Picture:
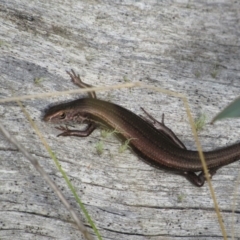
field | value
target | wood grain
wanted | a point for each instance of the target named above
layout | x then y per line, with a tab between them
190	47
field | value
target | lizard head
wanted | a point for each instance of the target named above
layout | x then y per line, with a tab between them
64	113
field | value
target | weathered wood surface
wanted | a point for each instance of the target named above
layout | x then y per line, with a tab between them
190	47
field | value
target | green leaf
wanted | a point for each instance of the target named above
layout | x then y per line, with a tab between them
231	111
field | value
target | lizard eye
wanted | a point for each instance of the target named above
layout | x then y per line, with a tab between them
62	115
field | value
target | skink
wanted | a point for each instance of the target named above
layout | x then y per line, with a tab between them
158	147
